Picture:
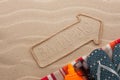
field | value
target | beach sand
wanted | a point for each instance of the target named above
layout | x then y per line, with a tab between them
24	23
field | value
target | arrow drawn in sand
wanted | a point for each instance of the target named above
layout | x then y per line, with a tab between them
68	40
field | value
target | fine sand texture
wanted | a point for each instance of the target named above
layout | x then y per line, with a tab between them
23	23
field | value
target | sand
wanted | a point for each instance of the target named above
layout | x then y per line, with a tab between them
24	23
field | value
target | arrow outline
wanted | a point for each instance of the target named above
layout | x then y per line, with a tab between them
78	21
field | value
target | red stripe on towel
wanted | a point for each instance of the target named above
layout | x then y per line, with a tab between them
62	73
53	76
45	78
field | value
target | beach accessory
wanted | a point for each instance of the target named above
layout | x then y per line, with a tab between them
67	40
101	67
